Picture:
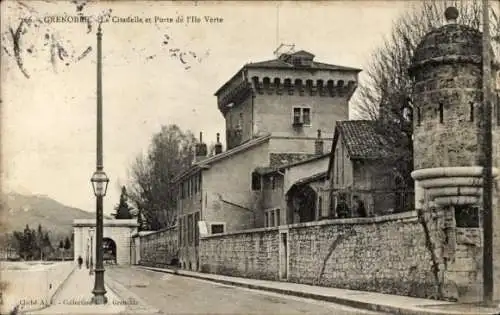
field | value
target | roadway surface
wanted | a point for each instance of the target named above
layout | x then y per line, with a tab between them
173	294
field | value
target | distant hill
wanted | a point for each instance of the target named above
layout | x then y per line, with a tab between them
19	210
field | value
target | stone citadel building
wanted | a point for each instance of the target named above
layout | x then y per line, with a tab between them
447	130
431	251
273	111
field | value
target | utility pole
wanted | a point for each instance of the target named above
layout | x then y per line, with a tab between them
487	163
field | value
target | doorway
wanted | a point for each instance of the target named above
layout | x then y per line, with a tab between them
109	250
283	251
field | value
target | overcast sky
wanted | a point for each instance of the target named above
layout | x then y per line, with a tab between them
48	120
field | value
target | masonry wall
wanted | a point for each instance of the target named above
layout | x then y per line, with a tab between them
400	254
252	254
282	143
239	116
159	249
227	187
496	201
387	254
341	174
122	237
273	109
119	231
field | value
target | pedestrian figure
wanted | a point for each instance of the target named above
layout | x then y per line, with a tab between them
80	262
359	207
342	208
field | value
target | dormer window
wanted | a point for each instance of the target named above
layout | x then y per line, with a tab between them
301	61
297	61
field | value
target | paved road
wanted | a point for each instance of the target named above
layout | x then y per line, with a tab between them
174	294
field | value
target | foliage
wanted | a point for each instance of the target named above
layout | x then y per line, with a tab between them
386	94
152	188
67	243
31	244
123	210
388	87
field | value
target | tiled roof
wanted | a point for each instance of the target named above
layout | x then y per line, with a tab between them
363	141
312	178
214	159
285	159
280	64
305	158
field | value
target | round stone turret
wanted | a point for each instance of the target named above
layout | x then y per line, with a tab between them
446	69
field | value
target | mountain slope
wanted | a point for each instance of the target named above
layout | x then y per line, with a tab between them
19	210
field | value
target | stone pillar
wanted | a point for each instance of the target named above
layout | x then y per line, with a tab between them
77	243
419	196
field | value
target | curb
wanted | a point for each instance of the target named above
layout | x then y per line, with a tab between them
59	288
328	298
57	291
118	289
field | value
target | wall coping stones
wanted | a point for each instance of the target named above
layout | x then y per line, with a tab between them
412	215
408	215
249	231
115	222
145	233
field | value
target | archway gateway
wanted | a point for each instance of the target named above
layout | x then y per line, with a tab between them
109	250
117	236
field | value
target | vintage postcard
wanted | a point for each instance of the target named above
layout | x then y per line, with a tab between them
250	157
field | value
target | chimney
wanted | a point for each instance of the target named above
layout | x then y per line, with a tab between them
218	145
318	144
201	150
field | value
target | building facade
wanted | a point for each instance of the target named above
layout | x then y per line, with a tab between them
448	157
273	111
365	165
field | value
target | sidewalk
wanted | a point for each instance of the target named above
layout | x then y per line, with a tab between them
393	304
75	294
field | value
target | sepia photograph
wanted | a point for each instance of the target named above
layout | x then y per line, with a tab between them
250	157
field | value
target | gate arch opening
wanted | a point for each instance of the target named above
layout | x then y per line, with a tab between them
109	250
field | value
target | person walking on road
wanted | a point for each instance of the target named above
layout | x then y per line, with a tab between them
80	262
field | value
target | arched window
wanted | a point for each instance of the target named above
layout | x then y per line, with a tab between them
277	83
288	83
471	105
266	82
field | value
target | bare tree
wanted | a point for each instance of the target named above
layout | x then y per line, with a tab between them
387	89
388	85
152	187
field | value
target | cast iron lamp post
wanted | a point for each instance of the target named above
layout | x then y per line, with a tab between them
100	185
91	253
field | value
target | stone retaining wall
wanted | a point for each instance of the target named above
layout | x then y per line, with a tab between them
159	248
388	256
401	254
32	286
251	254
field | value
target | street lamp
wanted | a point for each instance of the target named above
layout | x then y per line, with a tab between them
99	182
87	257
91	235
